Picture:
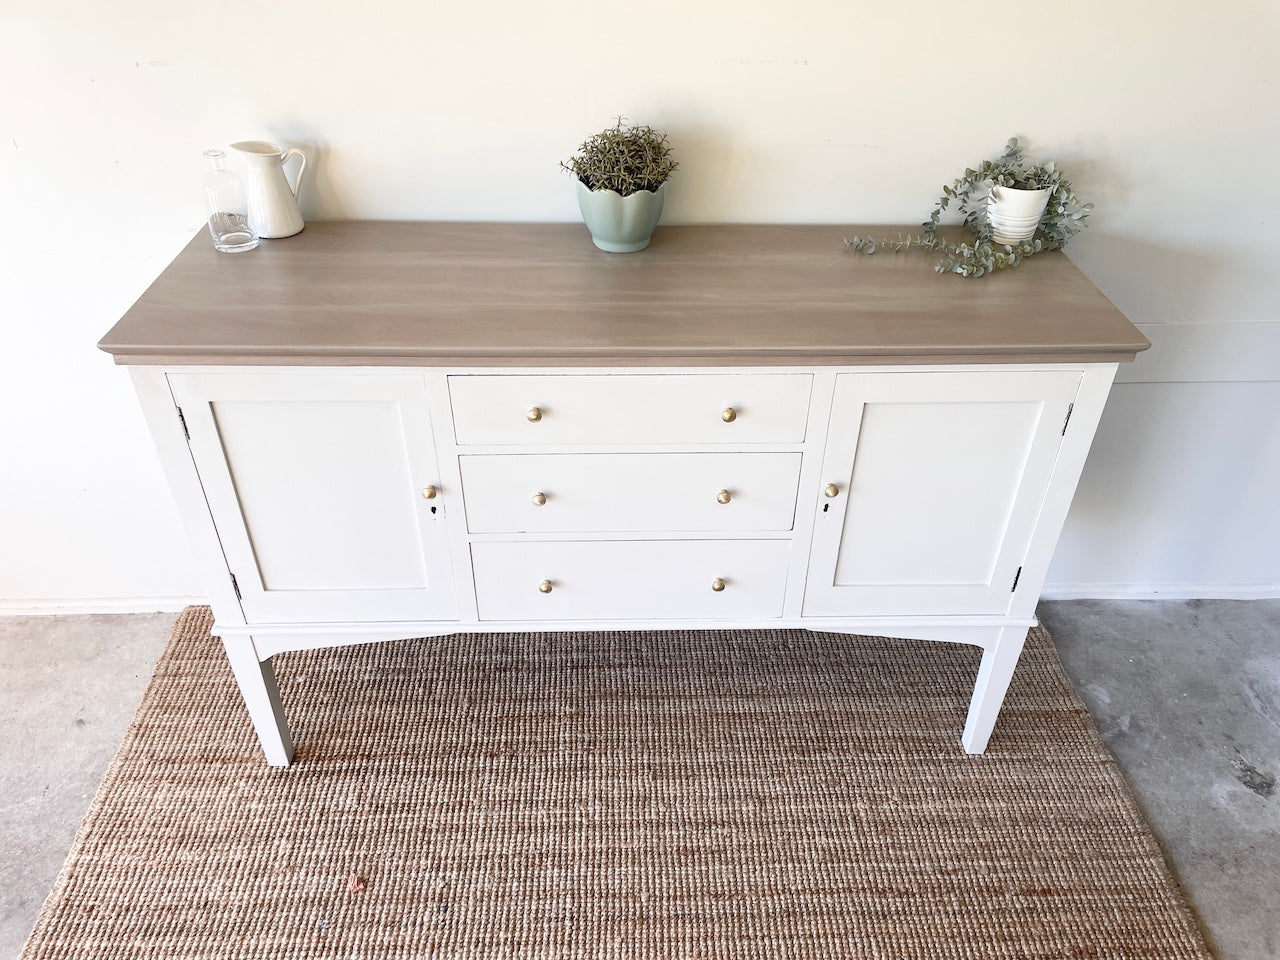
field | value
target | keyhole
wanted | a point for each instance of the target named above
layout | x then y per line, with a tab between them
825	508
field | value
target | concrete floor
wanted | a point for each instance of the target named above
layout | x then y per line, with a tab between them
68	688
1187	694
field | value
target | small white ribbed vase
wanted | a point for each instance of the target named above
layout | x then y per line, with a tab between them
1015	213
621	224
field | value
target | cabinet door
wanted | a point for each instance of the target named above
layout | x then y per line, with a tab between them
315	485
939	481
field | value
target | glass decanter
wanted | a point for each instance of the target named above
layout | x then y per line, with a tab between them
227	206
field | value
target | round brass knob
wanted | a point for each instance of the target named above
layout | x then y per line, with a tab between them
717	584
728	414
429	492
544	586
830	490
534	414
539	499
724	496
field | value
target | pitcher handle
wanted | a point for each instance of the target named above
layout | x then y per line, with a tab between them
297	184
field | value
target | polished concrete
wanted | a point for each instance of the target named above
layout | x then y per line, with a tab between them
1187	693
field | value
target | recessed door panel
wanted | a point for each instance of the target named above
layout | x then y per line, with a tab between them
924	508
312	475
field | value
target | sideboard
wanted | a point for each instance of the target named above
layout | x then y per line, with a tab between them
389	430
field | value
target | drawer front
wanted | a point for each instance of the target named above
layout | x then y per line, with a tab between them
630	580
630	492
601	409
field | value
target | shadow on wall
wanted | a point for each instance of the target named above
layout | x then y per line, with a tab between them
318	199
1152	283
1243	476
711	162
1174	492
1179	487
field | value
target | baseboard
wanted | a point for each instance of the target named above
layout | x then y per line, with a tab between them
79	605
1160	591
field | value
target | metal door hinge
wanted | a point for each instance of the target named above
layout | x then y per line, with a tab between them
1070	407
183	420
236	587
1016	577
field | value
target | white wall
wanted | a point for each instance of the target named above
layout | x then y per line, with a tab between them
807	111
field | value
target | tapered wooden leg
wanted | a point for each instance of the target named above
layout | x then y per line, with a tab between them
257	682
998	662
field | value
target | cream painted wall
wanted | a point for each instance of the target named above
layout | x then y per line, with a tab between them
815	110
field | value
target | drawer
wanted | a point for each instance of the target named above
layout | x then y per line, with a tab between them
629	492
630	580
602	409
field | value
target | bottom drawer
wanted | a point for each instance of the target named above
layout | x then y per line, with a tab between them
630	580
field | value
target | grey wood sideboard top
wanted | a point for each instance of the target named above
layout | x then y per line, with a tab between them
494	294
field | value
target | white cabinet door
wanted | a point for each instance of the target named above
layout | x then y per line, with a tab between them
939	479
315	484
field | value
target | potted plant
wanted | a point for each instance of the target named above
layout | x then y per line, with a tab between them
1014	208
622	175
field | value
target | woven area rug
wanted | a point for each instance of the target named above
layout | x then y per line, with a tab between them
728	796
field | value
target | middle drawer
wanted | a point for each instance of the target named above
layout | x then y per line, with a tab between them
629	492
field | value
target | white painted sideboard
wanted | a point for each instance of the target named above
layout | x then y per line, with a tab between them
676	439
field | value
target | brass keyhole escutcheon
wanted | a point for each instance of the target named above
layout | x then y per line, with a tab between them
717	584
544	586
724	496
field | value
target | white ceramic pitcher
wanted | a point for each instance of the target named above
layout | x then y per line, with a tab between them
273	204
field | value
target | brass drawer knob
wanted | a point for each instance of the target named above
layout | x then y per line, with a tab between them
534	414
728	414
429	492
717	584
539	499
724	496
544	586
830	490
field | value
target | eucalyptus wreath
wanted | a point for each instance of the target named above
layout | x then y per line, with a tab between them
624	158
1064	217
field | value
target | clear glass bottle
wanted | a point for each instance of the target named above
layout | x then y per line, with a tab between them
227	205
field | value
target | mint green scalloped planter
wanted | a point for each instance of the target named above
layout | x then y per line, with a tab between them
621	224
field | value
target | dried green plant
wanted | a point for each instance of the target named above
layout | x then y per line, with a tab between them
1063	218
624	158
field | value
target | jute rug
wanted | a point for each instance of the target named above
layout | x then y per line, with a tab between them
727	796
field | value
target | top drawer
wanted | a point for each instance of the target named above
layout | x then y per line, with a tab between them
603	409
